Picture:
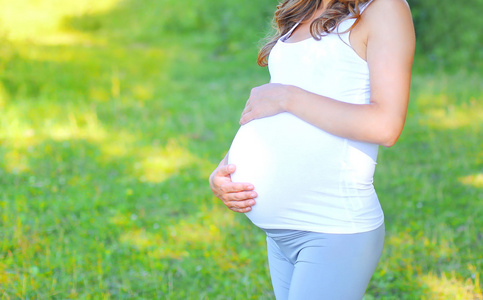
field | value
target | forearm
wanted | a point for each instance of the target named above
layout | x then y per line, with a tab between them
374	123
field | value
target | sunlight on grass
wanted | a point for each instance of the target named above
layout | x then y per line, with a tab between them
159	163
16	162
449	102
19	132
16	126
475	180
84	126
142	92
6	277
116	145
439	247
181	238
140	239
3	94
454	117
41	21
443	287
405	249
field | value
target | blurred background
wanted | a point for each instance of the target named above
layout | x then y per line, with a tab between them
113	113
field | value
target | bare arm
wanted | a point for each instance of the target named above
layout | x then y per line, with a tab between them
390	52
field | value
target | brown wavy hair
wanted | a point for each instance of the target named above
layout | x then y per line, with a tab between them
290	12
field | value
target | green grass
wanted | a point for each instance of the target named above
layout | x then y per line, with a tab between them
111	122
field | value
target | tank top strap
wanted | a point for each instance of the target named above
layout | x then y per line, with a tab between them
286	35
345	37
344	26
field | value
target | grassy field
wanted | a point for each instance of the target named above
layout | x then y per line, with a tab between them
112	116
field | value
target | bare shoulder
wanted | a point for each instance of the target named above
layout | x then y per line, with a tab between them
383	13
389	23
388	5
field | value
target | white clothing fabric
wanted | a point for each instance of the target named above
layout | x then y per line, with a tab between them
308	179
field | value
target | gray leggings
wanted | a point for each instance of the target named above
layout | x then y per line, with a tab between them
310	265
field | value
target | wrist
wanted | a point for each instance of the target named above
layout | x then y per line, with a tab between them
290	91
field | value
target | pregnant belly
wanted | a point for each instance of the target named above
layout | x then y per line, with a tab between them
290	162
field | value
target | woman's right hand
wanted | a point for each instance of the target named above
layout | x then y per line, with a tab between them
238	197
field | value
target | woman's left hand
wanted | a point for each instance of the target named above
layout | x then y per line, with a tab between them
266	100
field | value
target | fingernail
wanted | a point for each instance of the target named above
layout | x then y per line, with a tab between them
249	187
251	203
253	195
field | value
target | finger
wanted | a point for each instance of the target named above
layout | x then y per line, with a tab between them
246	110
241	210
240	204
226	170
233	190
246	117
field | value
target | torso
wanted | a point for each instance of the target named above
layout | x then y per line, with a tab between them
306	178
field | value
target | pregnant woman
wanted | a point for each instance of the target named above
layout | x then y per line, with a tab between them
301	165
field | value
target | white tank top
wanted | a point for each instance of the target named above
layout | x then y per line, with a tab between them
308	179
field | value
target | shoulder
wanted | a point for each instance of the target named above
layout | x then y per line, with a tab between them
387	11
389	18
388	5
